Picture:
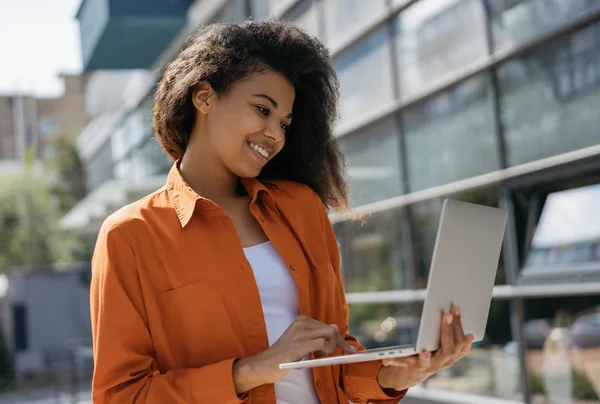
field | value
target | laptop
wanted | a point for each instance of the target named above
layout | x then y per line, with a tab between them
463	270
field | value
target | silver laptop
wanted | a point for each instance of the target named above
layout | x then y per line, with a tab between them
463	269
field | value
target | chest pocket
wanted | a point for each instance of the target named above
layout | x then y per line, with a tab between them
195	321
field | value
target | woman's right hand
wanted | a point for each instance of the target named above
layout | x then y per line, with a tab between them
303	337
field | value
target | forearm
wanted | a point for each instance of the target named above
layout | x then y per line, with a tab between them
247	375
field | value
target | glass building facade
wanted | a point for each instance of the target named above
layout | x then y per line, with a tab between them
487	101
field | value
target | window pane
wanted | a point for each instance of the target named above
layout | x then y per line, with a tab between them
492	369
100	167
549	99
425	217
562	337
565	238
365	76
373	253
259	9
304	15
234	11
445	132
373	163
517	21
344	18
385	324
436	39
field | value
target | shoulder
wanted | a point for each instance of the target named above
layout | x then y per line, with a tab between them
135	216
293	191
293	196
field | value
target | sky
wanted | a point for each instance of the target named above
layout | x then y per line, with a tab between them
39	39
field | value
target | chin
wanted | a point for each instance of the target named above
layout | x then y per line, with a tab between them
247	172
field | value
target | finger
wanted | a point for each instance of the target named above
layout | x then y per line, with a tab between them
331	334
459	333
409	362
321	346
447	337
341	341
468	346
446	351
424	361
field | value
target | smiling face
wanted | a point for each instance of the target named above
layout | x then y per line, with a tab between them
243	129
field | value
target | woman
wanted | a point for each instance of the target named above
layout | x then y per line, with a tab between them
203	288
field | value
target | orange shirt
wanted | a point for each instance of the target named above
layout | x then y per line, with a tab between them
174	301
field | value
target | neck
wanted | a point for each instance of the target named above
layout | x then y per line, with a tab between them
207	178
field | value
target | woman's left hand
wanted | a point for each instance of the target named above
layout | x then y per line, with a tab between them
403	373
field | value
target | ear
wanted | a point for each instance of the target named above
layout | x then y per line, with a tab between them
202	97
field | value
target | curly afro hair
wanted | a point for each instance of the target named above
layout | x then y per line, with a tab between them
225	53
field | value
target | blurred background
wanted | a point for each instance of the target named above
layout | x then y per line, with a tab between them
490	101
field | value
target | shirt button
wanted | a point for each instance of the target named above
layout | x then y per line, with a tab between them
293	268
241	267
319	385
256	325
261	218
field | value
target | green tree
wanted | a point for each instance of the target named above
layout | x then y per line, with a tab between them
30	235
70	185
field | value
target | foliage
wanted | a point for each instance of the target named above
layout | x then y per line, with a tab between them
70	186
30	235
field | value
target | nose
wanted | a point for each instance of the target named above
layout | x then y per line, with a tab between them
274	132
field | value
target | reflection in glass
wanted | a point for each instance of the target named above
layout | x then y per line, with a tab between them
344	18
562	337
387	324
373	163
450	136
435	39
566	238
492	369
373	254
549	98
517	21
365	76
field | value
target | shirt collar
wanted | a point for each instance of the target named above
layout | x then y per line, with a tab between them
185	199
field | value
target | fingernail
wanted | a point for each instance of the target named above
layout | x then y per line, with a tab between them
456	310
353	348
426	355
449	318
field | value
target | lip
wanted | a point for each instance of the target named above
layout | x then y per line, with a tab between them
268	148
259	156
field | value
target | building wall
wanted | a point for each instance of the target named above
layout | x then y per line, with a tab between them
27	124
56	316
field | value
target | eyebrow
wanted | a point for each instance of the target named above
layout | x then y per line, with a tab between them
272	101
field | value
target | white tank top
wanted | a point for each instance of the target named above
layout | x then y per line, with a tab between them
279	300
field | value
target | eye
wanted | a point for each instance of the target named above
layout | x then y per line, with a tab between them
263	110
286	128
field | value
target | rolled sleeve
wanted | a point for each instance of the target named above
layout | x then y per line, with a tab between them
360	383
